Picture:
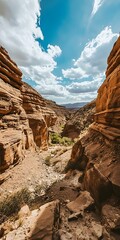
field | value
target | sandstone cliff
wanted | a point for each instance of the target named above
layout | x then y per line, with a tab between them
107	117
98	153
79	121
24	114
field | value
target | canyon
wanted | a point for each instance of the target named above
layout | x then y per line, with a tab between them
81	198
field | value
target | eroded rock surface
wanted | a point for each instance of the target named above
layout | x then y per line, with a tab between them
101	145
107	117
24	115
40	117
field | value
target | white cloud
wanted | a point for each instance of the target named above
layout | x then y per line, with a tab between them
18	28
96	5
85	86
54	51
72	98
49	90
93	58
74	73
18	33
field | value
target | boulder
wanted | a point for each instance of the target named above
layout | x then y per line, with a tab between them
111	217
81	203
46	224
24	212
78	159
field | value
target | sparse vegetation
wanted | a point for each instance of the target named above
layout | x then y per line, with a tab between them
13	203
54	152
47	160
57	139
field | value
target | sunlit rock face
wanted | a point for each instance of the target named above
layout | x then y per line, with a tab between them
40	117
9	72
101	145
107	117
24	115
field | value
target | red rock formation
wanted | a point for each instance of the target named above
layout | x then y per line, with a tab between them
107	117
9	72
40	117
24	117
107	121
101	145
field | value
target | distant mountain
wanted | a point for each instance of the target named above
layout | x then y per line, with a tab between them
76	105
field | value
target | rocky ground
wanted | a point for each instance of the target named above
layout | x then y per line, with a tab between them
52	202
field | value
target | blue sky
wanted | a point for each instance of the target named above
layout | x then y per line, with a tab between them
64	55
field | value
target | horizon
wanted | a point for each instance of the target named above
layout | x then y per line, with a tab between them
61	46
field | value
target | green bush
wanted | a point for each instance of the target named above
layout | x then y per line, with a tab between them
57	139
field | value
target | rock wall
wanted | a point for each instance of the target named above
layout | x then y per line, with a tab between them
107	117
9	72
40	117
97	154
24	116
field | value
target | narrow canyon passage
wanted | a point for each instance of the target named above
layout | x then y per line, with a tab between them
60	168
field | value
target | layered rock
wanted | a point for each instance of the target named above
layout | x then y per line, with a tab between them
97	154
102	178
24	116
107	117
16	134
9	72
79	121
40	117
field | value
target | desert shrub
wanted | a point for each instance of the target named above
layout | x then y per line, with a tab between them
67	141
54	152
47	160
13	203
57	139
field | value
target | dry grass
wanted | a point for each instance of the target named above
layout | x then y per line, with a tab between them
13	203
